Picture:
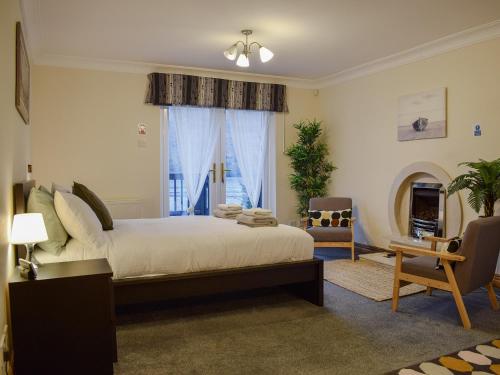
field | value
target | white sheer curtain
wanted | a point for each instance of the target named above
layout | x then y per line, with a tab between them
249	131
197	131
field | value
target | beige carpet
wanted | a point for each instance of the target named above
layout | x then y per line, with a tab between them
370	279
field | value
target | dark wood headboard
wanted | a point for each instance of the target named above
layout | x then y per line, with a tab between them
21	193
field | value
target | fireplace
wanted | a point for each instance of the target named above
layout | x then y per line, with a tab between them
427	204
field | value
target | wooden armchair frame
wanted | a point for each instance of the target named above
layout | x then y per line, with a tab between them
341	244
450	286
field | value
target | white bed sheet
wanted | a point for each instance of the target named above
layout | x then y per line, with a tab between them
144	247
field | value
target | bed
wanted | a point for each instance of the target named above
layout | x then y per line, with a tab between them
171	258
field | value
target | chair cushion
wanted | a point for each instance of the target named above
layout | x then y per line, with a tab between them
330	234
425	267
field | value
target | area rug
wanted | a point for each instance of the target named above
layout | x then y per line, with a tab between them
380	257
369	279
478	360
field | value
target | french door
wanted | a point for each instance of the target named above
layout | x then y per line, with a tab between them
224	181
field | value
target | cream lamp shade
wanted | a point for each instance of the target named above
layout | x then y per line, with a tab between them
28	229
243	61
231	52
265	54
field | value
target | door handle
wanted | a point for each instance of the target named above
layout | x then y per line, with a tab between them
214	172
223	172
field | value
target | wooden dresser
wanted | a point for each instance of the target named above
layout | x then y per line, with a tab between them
63	322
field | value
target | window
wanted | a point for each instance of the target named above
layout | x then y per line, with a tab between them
232	166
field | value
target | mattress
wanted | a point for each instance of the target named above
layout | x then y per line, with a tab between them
145	247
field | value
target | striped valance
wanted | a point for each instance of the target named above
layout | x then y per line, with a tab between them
180	89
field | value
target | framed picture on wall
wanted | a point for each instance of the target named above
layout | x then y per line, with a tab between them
422	116
22	76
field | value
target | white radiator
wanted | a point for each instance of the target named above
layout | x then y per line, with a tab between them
125	208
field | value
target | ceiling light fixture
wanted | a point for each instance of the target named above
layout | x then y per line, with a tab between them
232	52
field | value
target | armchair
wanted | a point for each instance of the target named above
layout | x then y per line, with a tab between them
332	236
472	267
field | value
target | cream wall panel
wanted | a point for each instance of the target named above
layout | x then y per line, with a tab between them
85	129
361	116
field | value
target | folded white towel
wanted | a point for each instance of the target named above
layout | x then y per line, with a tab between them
226	214
229	207
253	221
258	212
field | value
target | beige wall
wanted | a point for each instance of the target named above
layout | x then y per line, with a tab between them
84	129
361	116
14	139
85	125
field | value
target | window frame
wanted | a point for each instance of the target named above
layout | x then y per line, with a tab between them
268	181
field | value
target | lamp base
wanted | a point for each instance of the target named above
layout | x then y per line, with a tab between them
27	273
30	257
28	270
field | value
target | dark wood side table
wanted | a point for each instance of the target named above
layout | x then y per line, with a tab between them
64	321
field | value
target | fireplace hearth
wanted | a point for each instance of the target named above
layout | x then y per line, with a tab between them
427	209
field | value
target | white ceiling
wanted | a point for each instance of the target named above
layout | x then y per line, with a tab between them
310	38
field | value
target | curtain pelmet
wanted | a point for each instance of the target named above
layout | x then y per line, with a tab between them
185	90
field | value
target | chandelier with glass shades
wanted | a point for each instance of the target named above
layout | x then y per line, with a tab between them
232	52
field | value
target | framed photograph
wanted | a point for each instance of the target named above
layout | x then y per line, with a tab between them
22	76
422	116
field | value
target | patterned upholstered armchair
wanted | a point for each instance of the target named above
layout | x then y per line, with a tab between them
332	236
471	267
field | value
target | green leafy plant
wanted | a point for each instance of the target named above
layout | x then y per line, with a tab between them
483	181
311	168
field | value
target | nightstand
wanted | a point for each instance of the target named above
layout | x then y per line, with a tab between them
64	322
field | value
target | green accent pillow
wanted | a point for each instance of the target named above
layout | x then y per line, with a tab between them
89	197
42	202
44	189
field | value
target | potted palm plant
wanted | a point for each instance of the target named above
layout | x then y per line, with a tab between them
311	167
483	183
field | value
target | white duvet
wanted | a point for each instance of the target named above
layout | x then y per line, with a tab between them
143	247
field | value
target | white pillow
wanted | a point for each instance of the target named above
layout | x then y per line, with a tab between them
78	219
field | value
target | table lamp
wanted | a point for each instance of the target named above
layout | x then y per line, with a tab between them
28	230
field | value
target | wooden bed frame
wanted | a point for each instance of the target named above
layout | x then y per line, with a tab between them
303	278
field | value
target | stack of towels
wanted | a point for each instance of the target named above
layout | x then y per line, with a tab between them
257	217
227	211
